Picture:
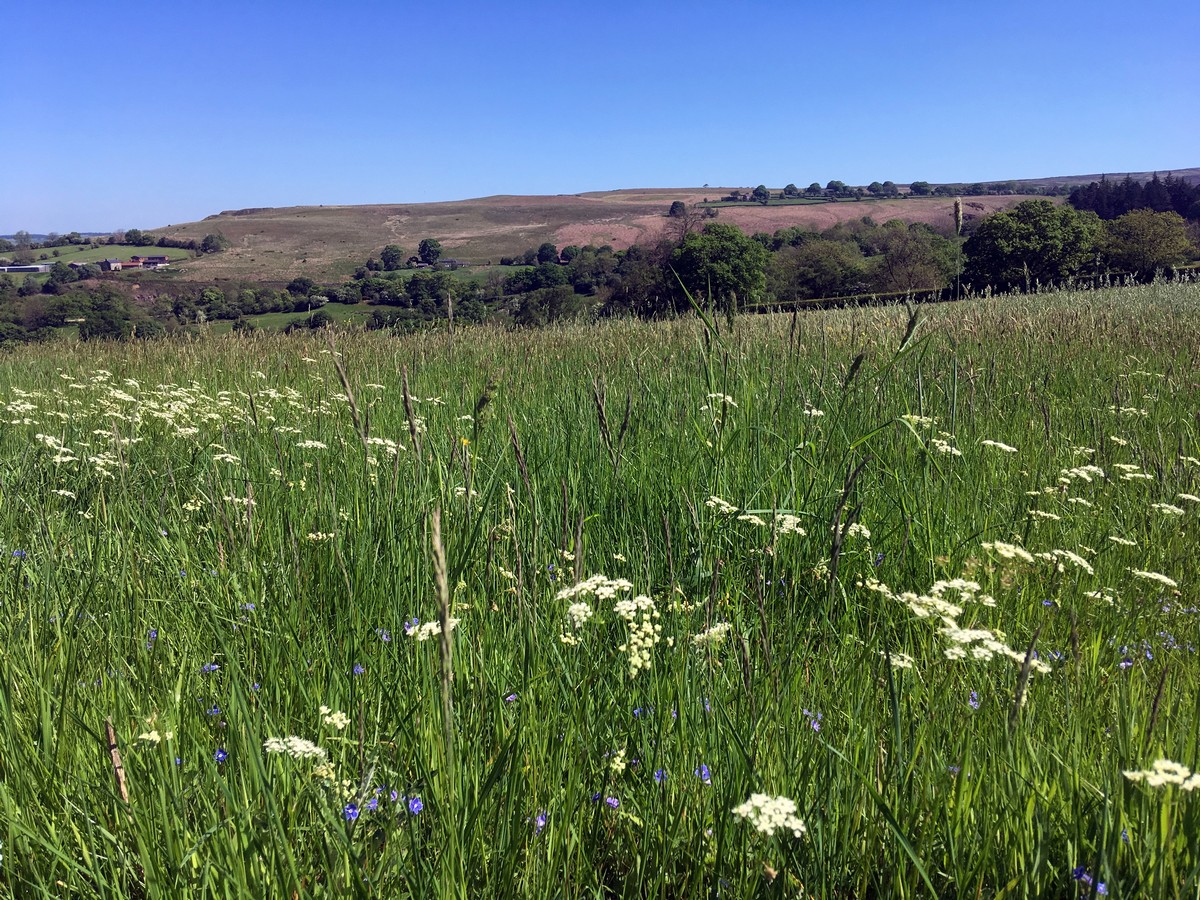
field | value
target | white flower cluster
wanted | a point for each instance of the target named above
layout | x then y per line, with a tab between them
1058	557
295	747
1009	551
1080	473
312	445
599	586
335	718
427	630
999	446
977	643
617	762
770	814
644	631
752	519
1156	576
788	524
1167	509
945	447
153	737
1165	772
711	637
716	503
578	614
923	421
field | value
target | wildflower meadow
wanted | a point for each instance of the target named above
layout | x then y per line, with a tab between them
858	603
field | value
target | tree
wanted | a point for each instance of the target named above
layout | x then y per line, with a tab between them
874	187
921	188
721	263
1034	242
816	268
1143	241
678	208
836	187
915	258
760	194
791	191
301	286
814	190
429	250
547	253
392	258
213	243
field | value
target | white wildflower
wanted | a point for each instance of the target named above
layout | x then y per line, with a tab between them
578	614
1155	576
334	718
770	814
713	636
296	747
999	446
1167	509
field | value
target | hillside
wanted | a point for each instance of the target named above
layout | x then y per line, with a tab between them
329	242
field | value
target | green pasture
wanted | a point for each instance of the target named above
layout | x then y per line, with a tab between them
845	604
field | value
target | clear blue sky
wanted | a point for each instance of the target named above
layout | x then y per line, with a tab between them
126	114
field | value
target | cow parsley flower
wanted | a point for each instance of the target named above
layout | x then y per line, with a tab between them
295	747
1155	576
771	814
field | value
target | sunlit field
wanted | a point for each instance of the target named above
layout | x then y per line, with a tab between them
851	604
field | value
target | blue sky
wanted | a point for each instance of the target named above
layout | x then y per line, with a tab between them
124	114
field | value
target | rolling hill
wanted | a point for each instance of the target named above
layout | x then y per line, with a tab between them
327	243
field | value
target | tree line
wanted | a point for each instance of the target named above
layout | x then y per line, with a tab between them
1035	245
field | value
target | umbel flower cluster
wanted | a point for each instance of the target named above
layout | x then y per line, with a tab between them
644	631
295	747
1164	772
770	814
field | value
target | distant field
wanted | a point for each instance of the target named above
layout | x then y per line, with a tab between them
774	201
328	242
83	253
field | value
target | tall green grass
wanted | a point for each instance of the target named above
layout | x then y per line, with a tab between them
209	543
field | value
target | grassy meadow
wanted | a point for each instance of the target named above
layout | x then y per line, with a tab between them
565	613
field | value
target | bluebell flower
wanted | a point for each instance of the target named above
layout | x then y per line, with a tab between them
415	805
539	823
220	756
373	804
384	635
973	701
879	557
358	669
703	774
215	711
613	802
256	686
660	775
209	667
1126	663
350	812
19	554
249	607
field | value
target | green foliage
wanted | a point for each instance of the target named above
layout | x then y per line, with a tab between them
1034	243
678	208
547	253
920	188
760	194
816	268
392	257
720	264
429	250
301	286
1144	241
213	243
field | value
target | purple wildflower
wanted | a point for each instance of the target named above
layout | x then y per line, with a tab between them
415	805
221	755
703	774
350	812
